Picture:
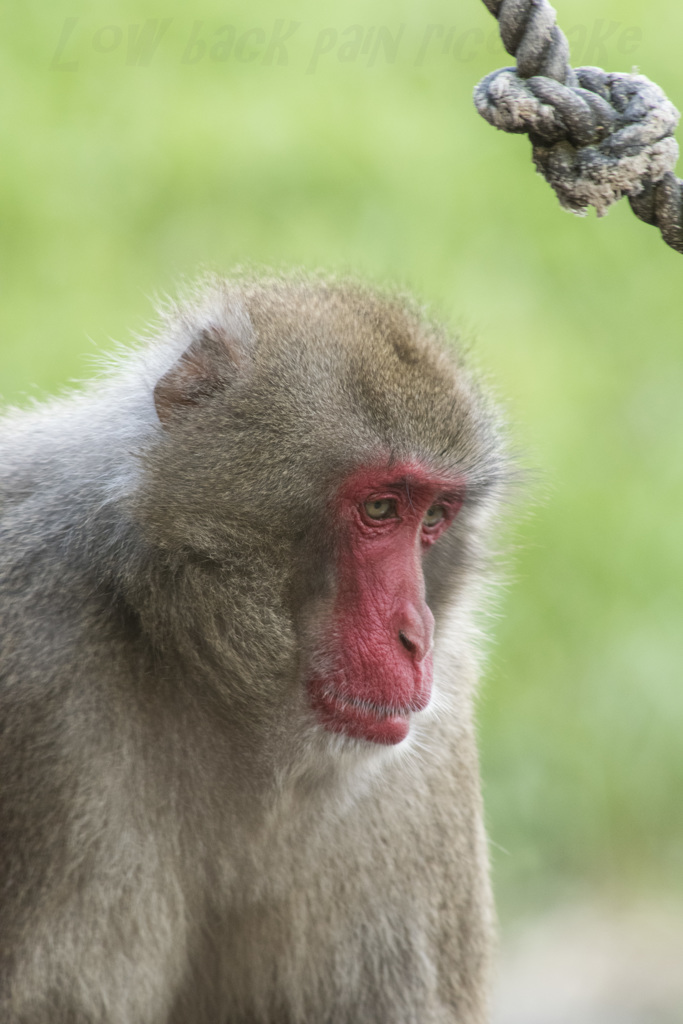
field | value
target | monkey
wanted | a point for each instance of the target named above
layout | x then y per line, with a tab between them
239	581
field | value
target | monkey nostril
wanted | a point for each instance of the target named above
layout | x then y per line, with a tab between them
408	644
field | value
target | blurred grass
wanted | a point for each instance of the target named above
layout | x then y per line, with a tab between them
120	180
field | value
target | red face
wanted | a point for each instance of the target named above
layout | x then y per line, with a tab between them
375	664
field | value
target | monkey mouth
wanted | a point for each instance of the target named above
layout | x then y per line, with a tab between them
362	719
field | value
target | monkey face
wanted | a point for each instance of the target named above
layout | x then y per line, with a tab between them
373	667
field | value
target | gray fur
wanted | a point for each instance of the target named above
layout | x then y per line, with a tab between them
180	842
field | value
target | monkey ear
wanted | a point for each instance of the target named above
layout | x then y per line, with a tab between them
205	367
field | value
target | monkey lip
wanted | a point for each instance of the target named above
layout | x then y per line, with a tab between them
363	719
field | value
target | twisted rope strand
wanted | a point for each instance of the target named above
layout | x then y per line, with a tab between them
595	136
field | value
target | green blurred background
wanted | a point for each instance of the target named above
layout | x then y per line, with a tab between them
139	146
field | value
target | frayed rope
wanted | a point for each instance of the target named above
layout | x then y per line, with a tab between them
596	136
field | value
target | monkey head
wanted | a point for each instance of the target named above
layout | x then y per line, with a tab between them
326	456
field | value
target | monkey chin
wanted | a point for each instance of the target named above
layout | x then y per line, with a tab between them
359	719
387	728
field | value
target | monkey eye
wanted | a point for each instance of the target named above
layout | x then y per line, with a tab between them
380	508
434	516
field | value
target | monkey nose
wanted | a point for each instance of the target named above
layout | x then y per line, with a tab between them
415	630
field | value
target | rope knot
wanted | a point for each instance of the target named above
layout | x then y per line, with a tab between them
595	141
596	136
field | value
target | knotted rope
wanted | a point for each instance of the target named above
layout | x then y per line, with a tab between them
595	136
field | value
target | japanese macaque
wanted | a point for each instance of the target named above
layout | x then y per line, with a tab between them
238	575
